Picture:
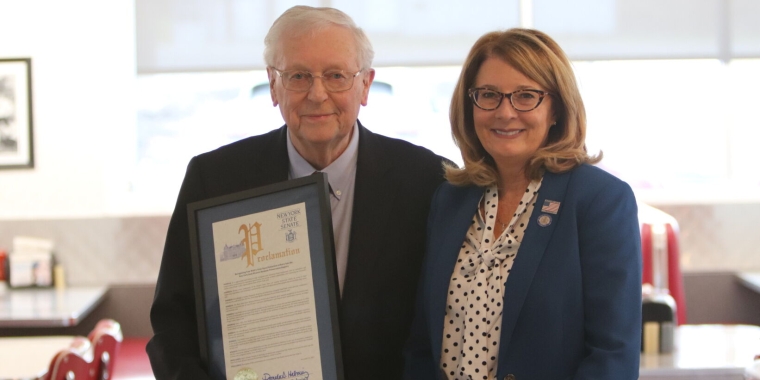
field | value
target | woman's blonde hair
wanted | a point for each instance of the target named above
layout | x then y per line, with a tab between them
537	56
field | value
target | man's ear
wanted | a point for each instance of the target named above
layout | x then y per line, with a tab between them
367	83
272	76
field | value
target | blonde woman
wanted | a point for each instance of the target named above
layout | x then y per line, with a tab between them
533	262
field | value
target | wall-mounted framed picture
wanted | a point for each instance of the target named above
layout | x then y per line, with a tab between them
16	148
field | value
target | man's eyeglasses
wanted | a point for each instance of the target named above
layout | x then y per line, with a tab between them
522	100
301	81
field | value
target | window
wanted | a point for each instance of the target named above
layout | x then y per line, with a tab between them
679	131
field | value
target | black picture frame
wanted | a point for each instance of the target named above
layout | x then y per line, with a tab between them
16	122
313	193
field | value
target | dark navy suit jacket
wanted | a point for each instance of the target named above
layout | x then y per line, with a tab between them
572	301
395	181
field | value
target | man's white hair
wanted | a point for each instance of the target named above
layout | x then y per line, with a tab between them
303	19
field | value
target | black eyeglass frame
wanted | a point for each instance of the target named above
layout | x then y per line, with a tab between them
541	95
312	77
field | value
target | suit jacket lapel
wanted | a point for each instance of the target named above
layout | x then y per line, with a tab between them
529	255
446	244
272	163
373	198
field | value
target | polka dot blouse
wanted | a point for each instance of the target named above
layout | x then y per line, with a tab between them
475	300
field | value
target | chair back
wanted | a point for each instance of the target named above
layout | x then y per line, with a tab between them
106	338
73	363
661	256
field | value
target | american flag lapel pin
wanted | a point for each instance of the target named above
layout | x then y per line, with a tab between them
551	207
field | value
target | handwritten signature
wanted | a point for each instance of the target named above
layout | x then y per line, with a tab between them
290	375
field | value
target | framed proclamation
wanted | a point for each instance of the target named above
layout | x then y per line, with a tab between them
265	283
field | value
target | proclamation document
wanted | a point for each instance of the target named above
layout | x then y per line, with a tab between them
266	296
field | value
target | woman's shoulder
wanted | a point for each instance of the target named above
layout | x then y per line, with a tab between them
452	197
448	190
453	202
588	184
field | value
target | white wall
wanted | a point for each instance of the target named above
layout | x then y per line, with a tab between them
83	73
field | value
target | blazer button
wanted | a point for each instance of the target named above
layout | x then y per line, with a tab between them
510	377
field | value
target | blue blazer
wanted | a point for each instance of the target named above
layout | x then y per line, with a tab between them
572	302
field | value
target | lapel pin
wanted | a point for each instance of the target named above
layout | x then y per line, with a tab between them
550	206
544	220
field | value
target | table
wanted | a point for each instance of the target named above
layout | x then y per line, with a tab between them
715	352
29	357
750	280
48	307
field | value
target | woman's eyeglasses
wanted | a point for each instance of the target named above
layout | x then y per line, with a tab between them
522	100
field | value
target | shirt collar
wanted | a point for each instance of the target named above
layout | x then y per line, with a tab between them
338	172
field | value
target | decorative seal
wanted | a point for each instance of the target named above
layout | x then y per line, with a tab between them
290	236
246	374
544	220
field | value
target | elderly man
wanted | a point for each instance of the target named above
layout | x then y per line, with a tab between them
319	74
